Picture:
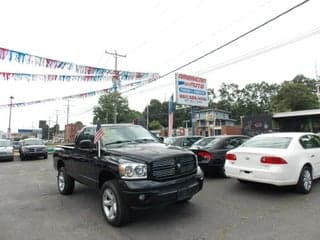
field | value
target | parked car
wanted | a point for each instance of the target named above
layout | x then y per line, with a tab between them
6	150
132	170
182	141
277	158
32	147
211	151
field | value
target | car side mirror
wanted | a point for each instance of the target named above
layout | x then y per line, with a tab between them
86	144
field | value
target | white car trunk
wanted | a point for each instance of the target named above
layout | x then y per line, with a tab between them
251	157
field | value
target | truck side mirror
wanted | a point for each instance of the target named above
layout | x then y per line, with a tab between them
85	144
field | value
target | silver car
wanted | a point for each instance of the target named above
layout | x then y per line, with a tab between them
6	150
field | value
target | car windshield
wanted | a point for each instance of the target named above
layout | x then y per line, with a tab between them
4	143
32	142
203	142
122	134
268	142
213	142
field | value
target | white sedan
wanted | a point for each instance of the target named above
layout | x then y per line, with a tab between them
277	158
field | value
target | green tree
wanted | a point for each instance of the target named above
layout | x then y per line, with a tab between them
155	125
294	96
113	107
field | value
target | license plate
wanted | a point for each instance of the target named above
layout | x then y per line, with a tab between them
184	194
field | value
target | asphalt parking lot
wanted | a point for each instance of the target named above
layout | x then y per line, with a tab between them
31	208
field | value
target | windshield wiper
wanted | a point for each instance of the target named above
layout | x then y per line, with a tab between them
118	142
144	140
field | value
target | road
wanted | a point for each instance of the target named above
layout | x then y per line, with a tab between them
31	208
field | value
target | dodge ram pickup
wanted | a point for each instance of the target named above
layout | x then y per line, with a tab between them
129	167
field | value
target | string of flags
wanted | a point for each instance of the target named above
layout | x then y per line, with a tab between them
25	58
49	77
134	85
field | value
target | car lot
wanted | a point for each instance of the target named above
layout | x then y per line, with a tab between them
32	208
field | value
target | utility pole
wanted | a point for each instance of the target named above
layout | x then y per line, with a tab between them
9	128
115	77
68	107
49	120
148	117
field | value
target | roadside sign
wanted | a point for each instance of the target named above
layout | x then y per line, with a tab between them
191	90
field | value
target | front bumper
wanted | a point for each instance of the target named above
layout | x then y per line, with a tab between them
6	157
148	193
35	154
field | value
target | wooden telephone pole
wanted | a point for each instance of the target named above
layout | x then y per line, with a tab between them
115	77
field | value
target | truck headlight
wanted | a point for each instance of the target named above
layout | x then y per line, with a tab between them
132	170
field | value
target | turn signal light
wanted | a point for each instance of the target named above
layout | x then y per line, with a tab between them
272	160
205	155
231	157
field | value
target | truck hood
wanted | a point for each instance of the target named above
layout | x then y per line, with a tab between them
148	151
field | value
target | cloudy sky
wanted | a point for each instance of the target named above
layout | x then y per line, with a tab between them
157	36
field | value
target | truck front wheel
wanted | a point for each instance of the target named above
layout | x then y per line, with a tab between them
113	207
65	182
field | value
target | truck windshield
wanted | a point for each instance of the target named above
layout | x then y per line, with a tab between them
122	134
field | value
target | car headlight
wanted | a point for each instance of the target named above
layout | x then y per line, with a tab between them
132	170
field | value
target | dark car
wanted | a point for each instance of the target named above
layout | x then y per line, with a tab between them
211	156
33	147
182	141
129	167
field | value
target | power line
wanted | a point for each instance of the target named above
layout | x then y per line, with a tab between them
235	39
260	51
249	55
222	29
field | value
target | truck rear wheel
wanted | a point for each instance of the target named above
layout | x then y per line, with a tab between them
113	207
65	182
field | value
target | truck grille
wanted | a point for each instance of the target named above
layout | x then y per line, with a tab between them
170	168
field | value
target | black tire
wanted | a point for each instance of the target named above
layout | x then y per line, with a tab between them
65	182
45	156
304	184
22	157
117	214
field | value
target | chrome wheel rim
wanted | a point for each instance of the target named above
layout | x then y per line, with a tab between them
109	204
61	182
307	180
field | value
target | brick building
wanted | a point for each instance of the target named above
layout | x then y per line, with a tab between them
71	130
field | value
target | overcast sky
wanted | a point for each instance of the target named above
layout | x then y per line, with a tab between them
157	36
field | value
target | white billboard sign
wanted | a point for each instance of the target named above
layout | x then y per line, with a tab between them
191	90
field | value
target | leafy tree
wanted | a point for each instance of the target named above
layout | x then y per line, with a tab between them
113	106
294	96
155	125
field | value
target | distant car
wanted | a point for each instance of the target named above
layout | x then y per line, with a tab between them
6	150
16	144
33	147
182	141
277	158
211	151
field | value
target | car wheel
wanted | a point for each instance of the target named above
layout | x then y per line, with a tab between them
65	182
113	207
304	184
45	156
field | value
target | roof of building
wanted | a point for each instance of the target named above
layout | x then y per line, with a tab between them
297	113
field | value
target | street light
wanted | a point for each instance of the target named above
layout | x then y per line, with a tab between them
9	128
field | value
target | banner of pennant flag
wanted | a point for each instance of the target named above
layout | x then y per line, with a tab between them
134	85
25	58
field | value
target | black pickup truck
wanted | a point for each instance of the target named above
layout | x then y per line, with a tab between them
130	168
